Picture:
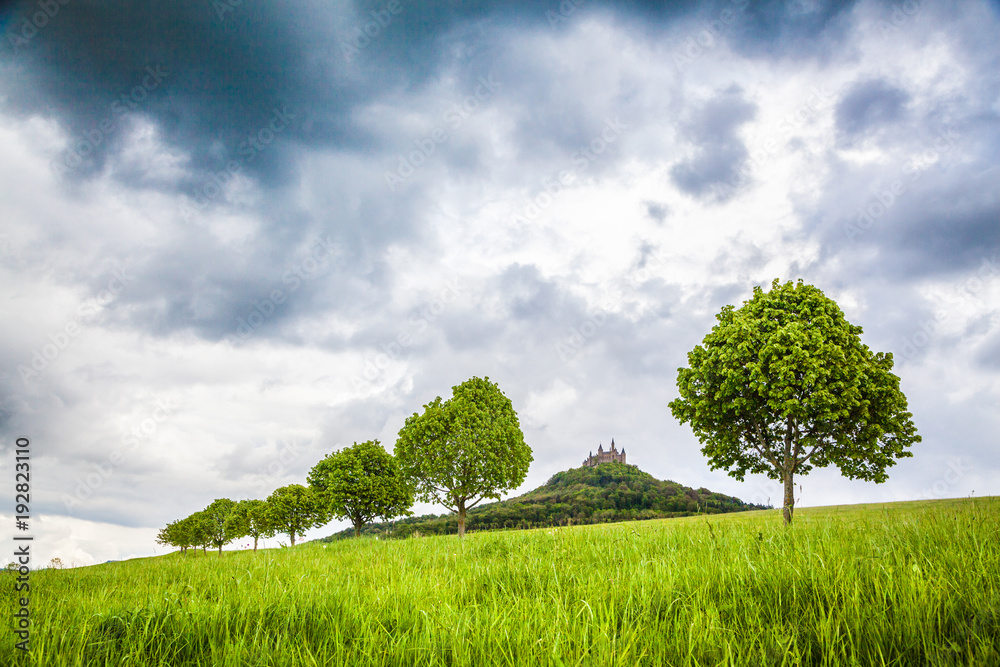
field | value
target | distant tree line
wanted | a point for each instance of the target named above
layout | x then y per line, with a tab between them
607	493
459	452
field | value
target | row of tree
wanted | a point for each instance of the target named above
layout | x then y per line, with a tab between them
291	510
779	386
458	452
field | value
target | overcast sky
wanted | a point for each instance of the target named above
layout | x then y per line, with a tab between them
236	236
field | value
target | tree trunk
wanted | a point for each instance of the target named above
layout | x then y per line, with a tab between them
461	519
357	528
255	544
220	549
787	466
292	535
789	496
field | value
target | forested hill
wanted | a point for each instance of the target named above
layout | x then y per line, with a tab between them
604	494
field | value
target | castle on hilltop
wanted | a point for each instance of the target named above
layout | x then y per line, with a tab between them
605	456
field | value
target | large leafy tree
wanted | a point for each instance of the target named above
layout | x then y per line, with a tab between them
784	384
361	483
464	450
220	524
252	518
294	509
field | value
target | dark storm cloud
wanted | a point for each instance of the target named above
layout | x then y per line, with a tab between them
228	66
720	154
801	29
931	213
245	89
291	267
867	107
227	70
221	80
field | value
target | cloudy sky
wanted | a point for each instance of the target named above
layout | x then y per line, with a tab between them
238	235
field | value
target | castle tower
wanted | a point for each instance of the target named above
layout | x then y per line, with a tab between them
602	456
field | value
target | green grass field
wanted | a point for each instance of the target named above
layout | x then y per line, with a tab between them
897	584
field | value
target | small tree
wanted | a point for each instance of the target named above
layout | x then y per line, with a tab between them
464	450
294	509
251	517
361	483
193	531
172	535
784	384
220	524
197	531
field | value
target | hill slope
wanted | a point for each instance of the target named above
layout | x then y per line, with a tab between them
608	493
914	583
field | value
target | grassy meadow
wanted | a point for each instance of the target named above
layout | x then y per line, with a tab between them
897	584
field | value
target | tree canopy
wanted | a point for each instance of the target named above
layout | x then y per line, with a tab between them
195	530
220	524
361	483
252	518
466	449
294	509
173	535
784	384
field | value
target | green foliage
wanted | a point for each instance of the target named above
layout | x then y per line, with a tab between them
607	493
221	523
252	518
898	584
361	483
195	530
466	449
294	509
170	535
784	384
